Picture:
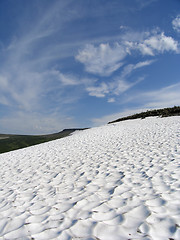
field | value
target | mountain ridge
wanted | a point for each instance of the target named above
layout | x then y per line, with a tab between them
162	112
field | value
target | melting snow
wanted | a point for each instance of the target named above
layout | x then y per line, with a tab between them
116	182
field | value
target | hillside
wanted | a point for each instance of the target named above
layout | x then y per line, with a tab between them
115	182
164	112
10	142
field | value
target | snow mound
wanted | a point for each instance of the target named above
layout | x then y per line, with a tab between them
120	181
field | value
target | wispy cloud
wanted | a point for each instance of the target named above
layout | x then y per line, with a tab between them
98	91
131	67
109	60
27	71
166	96
143	4
122	85
118	84
65	79
111	100
21	89
30	79
103	59
176	23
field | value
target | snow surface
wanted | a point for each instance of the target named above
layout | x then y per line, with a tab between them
120	181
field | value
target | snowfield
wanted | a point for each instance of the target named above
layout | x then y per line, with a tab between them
115	182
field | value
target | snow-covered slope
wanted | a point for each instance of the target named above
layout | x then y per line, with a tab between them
120	181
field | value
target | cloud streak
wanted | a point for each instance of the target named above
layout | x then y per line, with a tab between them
32	86
28	61
98	91
118	84
166	96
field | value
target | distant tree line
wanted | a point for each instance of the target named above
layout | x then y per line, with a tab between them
164	112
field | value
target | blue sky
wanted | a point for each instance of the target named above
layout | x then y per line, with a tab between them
66	64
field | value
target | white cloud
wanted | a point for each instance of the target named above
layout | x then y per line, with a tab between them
4	82
143	64
119	84
155	44
162	43
98	91
176	24
143	4
131	67
22	88
103	59
26	75
122	86
123	27
66	79
111	100
117	87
